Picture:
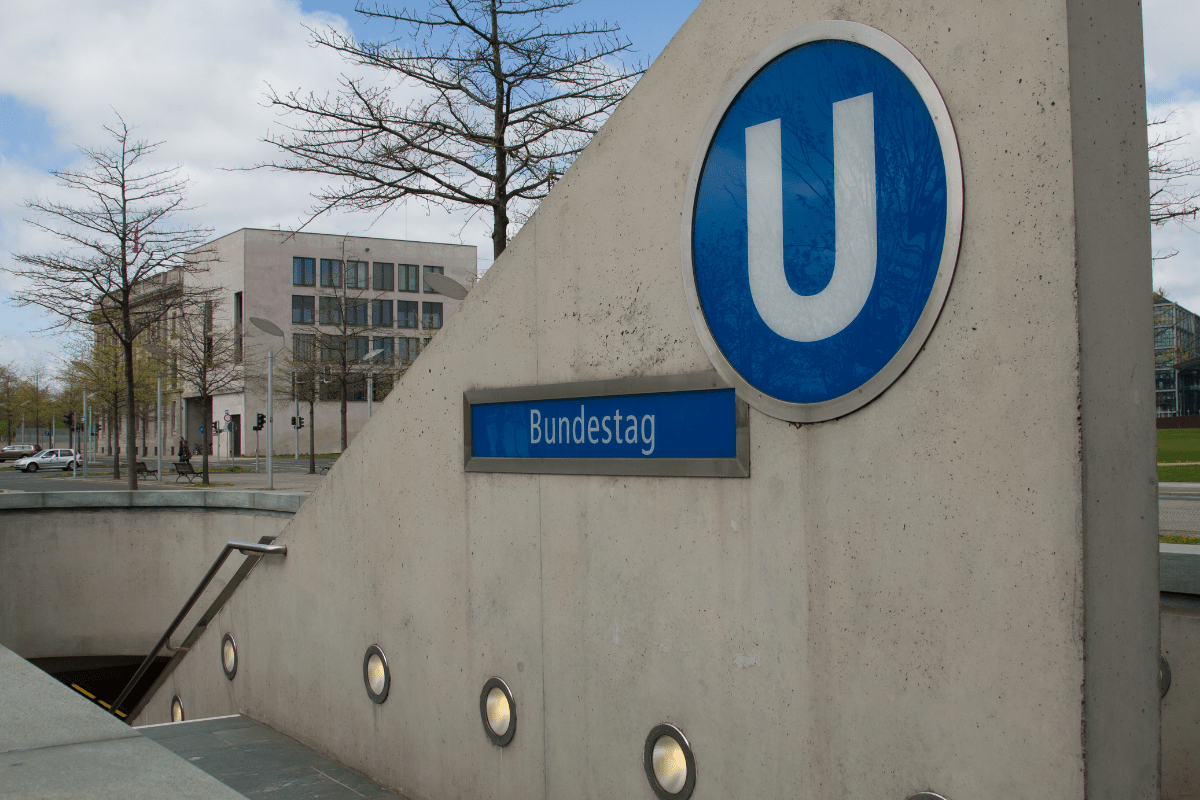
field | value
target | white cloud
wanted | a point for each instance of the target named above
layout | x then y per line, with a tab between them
194	76
1172	58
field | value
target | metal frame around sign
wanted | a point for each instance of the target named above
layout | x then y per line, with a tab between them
906	62
736	467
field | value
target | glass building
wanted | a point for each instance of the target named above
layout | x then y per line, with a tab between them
1176	359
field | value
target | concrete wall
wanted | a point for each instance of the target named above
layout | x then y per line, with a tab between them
104	573
898	600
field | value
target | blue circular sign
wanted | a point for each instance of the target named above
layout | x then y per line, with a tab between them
822	221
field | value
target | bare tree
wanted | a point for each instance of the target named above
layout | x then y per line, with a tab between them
506	104
205	357
124	260
1173	198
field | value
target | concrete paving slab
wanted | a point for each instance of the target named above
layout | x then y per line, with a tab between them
258	761
133	768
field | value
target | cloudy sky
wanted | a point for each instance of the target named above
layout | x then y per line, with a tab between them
193	76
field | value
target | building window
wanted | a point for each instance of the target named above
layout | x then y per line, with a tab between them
406	313
408	277
303	271
425	286
357	348
330	311
356	311
1164	379
356	388
237	327
431	315
331	349
356	275
304	346
302	309
409	350
1165	404
381	313
387	345
381	277
331	273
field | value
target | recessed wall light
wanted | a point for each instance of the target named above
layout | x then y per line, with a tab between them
1164	676
229	656
927	796
376	674
669	762
498	711
176	709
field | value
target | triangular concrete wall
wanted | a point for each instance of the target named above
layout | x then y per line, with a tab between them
894	601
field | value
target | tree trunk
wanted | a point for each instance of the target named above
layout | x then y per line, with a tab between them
500	124
343	414
131	481
204	439
312	434
114	438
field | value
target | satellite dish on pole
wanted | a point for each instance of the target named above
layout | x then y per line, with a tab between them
447	286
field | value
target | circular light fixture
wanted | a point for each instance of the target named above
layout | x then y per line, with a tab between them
498	711
927	796
177	709
1164	676
376	674
670	765
229	656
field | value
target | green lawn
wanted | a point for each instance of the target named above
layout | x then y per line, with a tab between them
1188	474
1180	444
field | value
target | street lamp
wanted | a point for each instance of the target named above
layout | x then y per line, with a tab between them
443	285
371	356
87	423
270	328
162	355
22	406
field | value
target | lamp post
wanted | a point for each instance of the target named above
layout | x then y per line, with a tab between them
371	356
83	440
295	427
22	407
270	328
161	354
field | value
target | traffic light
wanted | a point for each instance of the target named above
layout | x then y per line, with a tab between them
293	422
301	425
69	419
262	422
216	426
97	431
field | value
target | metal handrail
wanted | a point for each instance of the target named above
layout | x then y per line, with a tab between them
254	553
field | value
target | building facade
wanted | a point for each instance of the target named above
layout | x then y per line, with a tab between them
336	298
1176	359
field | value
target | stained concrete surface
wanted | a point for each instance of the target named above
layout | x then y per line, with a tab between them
259	762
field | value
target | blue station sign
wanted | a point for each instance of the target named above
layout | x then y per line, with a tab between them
674	425
822	221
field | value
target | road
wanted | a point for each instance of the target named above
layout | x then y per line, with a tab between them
290	475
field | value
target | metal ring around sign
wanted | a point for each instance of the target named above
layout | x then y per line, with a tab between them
908	64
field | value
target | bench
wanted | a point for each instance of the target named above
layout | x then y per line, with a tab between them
142	469
184	470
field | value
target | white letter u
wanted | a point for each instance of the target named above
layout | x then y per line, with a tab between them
810	318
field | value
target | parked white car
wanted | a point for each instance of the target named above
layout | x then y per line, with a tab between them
49	459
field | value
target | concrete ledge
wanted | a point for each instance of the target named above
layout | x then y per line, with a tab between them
1179	569
273	504
58	745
